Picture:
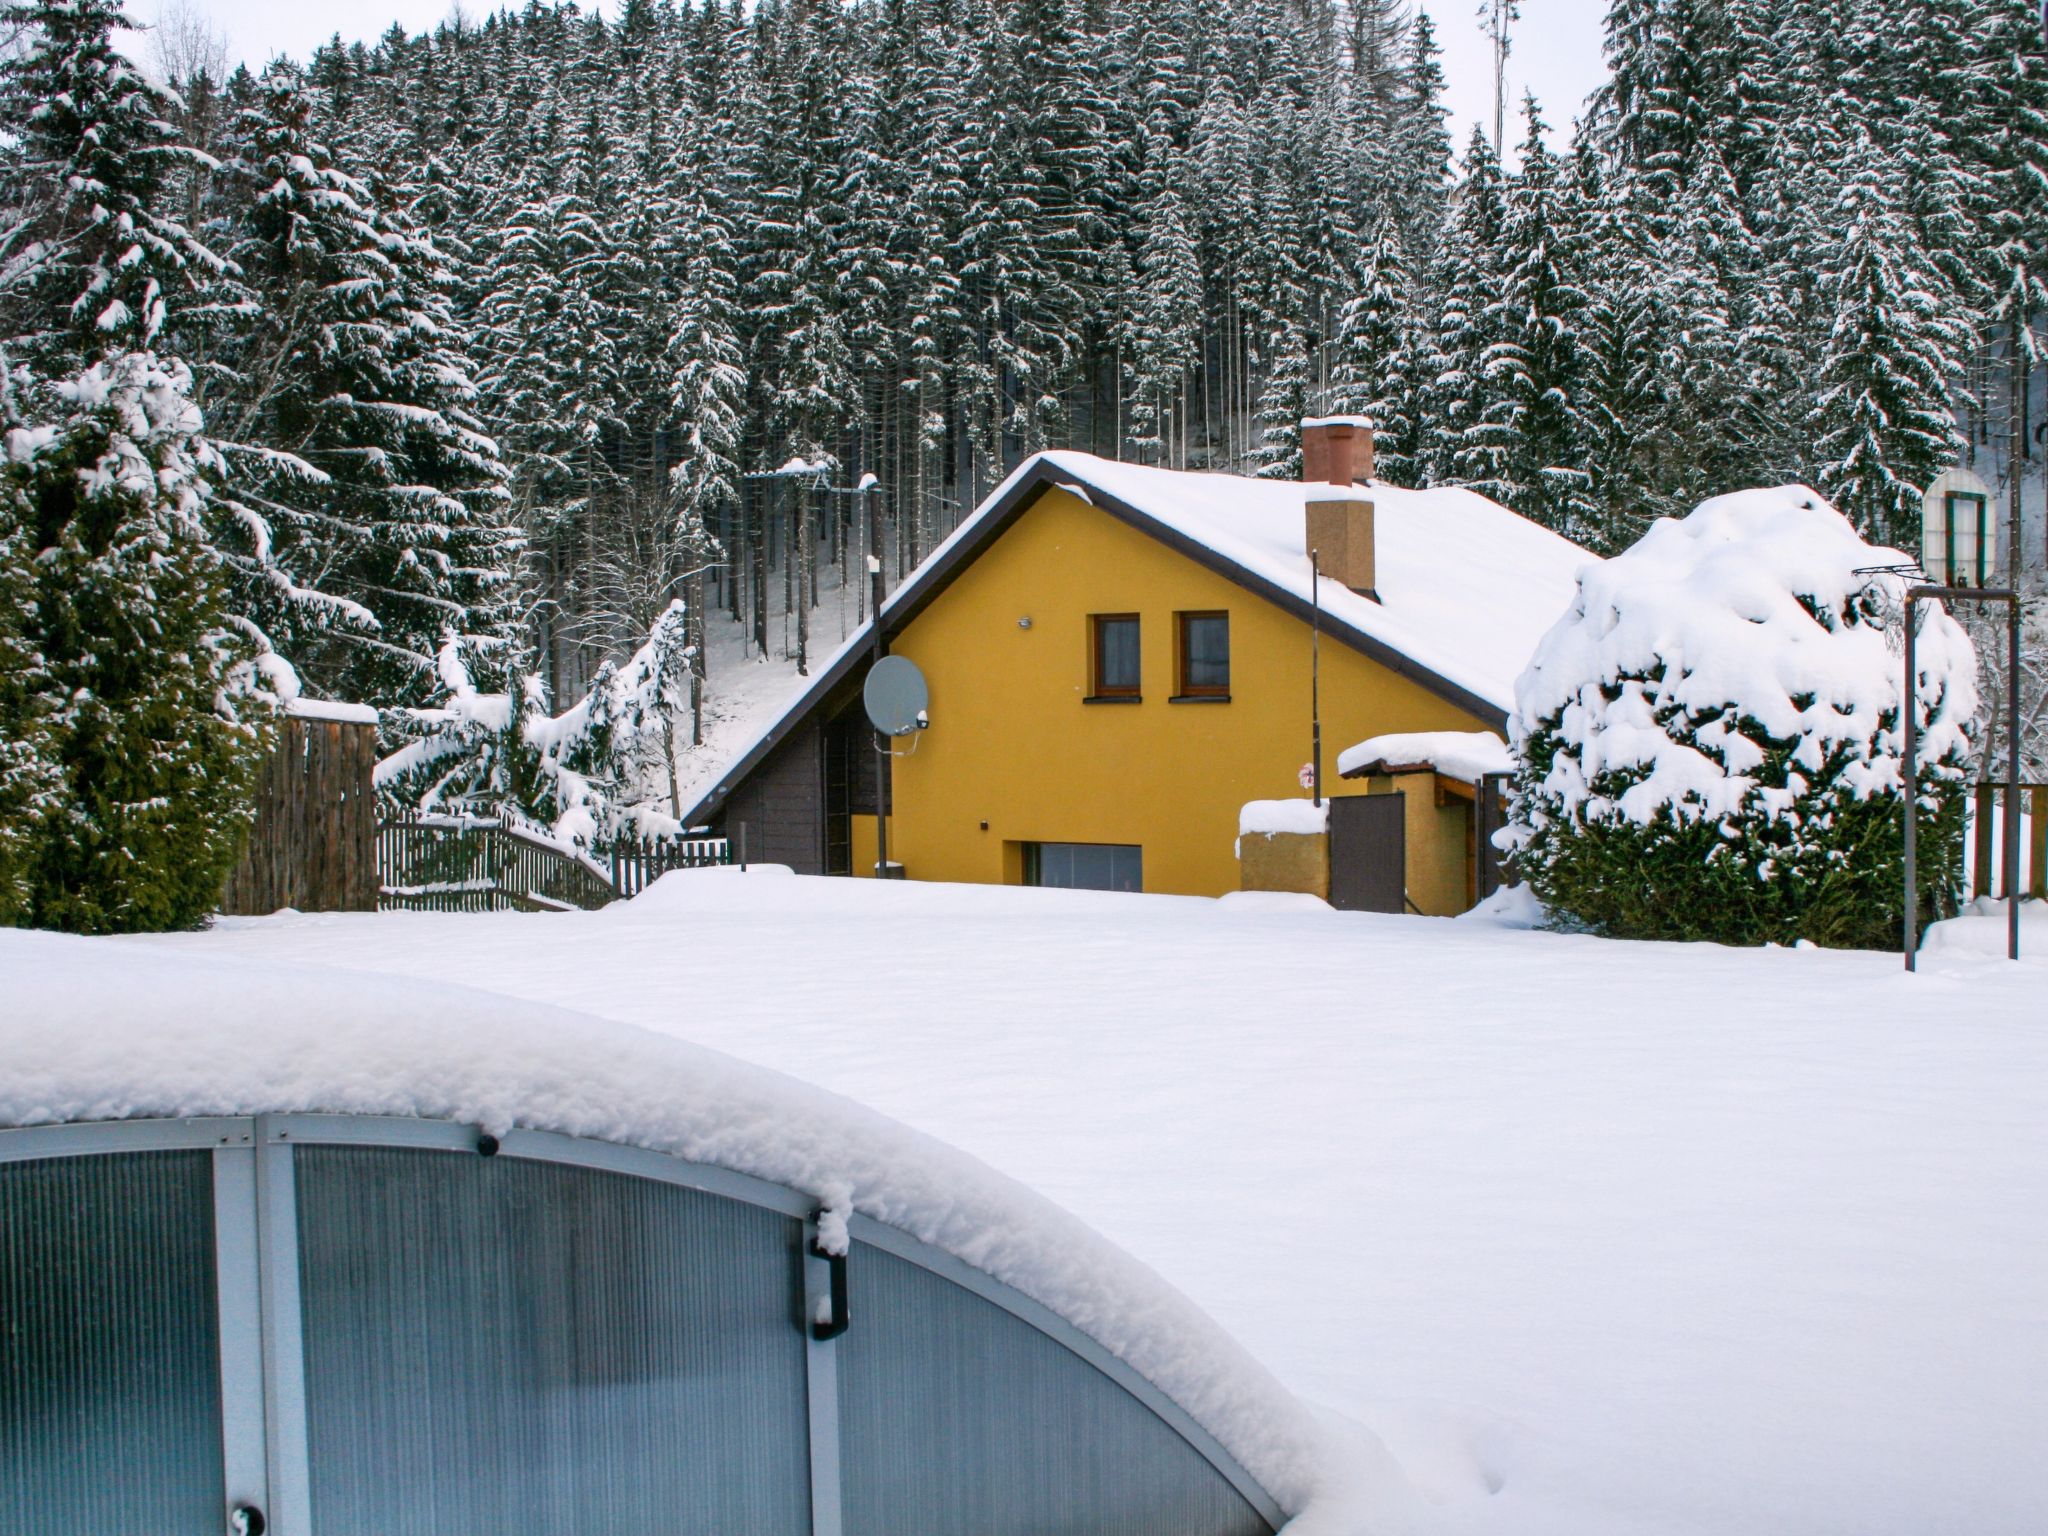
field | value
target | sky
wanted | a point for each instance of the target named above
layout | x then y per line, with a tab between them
1555	53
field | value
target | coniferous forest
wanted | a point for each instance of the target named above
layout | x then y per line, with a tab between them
462	357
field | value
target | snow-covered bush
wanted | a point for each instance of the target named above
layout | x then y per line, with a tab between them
1710	742
603	768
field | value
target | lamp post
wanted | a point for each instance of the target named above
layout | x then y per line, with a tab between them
865	492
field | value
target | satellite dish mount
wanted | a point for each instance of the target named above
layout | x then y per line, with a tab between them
898	704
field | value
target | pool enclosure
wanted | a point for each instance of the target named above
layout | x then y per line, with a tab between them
369	1325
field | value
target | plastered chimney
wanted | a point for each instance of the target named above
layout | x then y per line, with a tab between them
1336	461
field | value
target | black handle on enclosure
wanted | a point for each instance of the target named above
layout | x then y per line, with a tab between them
839	1320
247	1520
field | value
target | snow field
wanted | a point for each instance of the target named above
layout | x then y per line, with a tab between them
1593	1237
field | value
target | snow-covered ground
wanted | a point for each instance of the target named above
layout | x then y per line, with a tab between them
1596	1237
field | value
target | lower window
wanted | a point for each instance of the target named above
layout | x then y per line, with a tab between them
1085	866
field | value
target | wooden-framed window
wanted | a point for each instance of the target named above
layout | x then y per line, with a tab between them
1202	656
1113	656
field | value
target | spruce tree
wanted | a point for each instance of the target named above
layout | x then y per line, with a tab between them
124	785
127	620
1379	370
1525	448
31	776
1883	425
94	261
370	458
1459	394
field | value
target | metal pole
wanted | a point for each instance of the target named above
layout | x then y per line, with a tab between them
1315	673
2012	761
1910	704
882	785
2017	469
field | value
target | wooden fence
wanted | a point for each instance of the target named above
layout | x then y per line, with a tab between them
313	845
1987	865
635	866
477	864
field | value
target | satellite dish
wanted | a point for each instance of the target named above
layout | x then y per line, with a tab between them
896	696
1959	526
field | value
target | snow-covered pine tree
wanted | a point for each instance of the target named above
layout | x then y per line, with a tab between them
1883	424
1420	164
1166	317
1380	364
31	777
92	260
141	677
352	371
132	728
1459	394
1525	449
1283	402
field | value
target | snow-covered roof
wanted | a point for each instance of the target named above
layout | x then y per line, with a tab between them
1466	755
97	1032
1466	587
331	709
1270	816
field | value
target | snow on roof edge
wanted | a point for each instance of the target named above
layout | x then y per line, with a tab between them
100	1030
304	708
1465	755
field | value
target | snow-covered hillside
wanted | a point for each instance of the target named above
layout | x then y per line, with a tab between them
1597	1237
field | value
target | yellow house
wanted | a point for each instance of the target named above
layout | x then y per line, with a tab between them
1119	657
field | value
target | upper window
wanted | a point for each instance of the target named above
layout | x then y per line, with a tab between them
1115	656
1204	656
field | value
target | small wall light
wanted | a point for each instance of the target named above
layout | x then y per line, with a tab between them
1025	622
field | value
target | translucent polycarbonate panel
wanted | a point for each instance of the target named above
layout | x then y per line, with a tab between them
957	1417
496	1346
109	1355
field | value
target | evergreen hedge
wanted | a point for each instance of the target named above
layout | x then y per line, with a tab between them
1710	746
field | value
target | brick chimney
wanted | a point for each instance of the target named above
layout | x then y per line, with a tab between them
1336	461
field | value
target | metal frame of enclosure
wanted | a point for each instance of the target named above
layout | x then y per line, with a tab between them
1911	705
367	1273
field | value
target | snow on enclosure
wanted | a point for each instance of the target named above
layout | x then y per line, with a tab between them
1597	1238
1765	607
1466	755
1270	816
91	1033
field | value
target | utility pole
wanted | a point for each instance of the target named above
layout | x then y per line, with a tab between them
2014	612
1315	674
1496	18
865	493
